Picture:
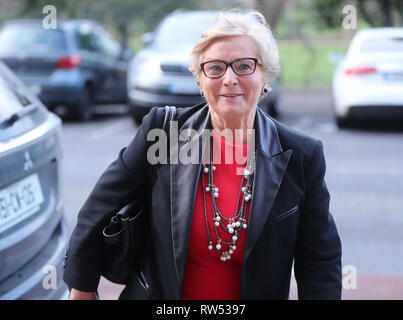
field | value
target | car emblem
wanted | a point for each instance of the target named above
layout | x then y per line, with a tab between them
28	162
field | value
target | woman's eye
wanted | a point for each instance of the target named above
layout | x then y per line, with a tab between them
244	67
215	68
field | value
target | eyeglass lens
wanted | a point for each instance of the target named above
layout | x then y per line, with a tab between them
215	69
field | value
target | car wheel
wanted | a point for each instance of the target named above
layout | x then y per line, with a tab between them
83	109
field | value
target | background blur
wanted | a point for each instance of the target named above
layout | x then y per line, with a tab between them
365	166
307	30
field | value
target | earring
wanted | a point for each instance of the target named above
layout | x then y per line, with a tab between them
202	93
266	90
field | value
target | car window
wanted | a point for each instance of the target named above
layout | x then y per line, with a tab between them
182	30
86	41
12	96
98	41
107	44
382	45
23	38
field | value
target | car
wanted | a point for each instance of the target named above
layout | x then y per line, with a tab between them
159	74
76	65
33	230
368	82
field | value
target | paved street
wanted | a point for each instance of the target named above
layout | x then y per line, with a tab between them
364	177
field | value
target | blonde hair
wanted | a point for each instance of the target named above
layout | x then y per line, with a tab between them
251	24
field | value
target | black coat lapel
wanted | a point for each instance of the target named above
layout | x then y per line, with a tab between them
268	176
271	164
184	181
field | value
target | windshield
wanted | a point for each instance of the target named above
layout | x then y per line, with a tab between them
382	45
12	96
24	38
182	29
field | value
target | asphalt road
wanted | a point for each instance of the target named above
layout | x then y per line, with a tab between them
364	176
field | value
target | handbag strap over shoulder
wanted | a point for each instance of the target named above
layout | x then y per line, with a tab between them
170	112
113	233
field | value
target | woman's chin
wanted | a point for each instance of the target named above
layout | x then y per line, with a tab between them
233	111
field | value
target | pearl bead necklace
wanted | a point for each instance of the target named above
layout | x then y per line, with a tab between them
233	226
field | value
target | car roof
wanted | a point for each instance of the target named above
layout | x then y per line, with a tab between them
192	12
61	24
380	32
200	13
363	35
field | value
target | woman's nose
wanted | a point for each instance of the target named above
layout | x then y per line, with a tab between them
230	77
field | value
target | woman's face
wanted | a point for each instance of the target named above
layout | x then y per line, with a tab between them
232	96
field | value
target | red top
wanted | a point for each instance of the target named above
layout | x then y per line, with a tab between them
206	276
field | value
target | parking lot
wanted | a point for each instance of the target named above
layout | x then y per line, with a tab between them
364	177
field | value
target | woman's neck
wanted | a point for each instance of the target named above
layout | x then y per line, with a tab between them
235	131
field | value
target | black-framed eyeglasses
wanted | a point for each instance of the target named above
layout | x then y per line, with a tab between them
217	68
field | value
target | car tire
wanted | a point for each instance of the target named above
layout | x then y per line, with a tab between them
83	109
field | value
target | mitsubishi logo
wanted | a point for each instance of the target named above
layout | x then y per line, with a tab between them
28	162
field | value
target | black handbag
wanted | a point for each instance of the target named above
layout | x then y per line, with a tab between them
125	232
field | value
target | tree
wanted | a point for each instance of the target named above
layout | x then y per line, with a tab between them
272	10
376	13
380	12
329	11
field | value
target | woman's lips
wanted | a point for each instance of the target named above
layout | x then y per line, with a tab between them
231	95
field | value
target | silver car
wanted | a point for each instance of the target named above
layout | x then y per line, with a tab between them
33	233
159	74
76	66
368	83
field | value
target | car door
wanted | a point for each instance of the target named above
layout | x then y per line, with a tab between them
110	49
94	68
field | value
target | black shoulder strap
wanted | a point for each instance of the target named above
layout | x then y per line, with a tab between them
170	112
132	207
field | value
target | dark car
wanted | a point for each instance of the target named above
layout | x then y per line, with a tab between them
76	65
33	232
159	74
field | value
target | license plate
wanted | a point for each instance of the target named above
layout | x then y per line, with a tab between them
19	201
183	88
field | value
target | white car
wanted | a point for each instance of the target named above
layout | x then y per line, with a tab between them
369	81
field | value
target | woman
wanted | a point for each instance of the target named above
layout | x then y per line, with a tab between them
218	232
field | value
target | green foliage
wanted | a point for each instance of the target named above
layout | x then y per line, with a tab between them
376	13
329	11
308	67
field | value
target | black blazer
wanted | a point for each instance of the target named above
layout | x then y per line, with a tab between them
289	217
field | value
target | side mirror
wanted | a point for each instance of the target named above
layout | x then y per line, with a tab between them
147	38
127	54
